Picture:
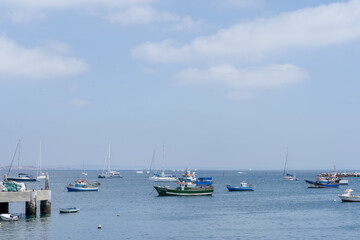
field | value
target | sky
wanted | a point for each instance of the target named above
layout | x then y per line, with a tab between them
221	84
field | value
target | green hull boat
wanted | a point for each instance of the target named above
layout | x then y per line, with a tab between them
179	191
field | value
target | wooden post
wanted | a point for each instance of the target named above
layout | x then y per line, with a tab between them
47	182
31	206
45	206
4	207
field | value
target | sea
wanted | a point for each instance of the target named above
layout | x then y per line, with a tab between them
129	208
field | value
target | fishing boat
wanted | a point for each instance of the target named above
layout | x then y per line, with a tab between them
318	184
22	177
287	176
243	187
184	190
9	217
39	174
347	196
81	185
109	173
69	210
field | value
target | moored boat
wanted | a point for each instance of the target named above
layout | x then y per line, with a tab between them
162	177
184	190
347	196
81	185
318	184
9	217
69	210
243	187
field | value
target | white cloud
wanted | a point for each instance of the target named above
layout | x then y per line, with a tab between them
235	78
79	103
310	27
238	3
187	24
116	11
141	15
39	62
42	4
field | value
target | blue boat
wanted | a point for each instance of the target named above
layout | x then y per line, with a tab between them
319	184
243	187
82	186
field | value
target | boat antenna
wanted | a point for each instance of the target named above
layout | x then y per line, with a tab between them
12	161
109	156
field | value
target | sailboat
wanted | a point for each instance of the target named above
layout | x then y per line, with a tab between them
22	177
287	176
40	175
84	172
109	173
162	177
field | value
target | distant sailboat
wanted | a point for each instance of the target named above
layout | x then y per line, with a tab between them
109	173
287	176
84	172
22	177
162	177
40	175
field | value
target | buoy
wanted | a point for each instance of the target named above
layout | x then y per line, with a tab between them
99	227
118	215
334	200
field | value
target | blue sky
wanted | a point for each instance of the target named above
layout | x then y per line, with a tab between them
223	84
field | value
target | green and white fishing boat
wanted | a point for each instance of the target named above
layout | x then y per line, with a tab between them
184	190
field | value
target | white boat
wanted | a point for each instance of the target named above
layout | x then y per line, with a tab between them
9	217
109	173
22	177
347	196
85	173
162	177
287	176
344	181
69	210
139	172
40	175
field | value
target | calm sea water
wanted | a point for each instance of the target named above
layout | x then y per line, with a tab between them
275	210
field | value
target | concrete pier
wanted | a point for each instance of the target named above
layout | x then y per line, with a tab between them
30	197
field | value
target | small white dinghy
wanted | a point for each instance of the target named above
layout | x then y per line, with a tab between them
347	196
8	217
69	210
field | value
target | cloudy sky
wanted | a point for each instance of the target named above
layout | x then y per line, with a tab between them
223	84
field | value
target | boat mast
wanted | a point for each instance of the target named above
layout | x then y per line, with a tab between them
286	159
151	164
12	161
109	156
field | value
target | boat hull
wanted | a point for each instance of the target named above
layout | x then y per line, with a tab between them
202	191
109	176
350	198
82	189
22	179
316	184
235	188
69	210
163	179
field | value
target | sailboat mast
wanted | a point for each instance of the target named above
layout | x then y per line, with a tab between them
109	156
12	161
286	159
163	160
19	158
